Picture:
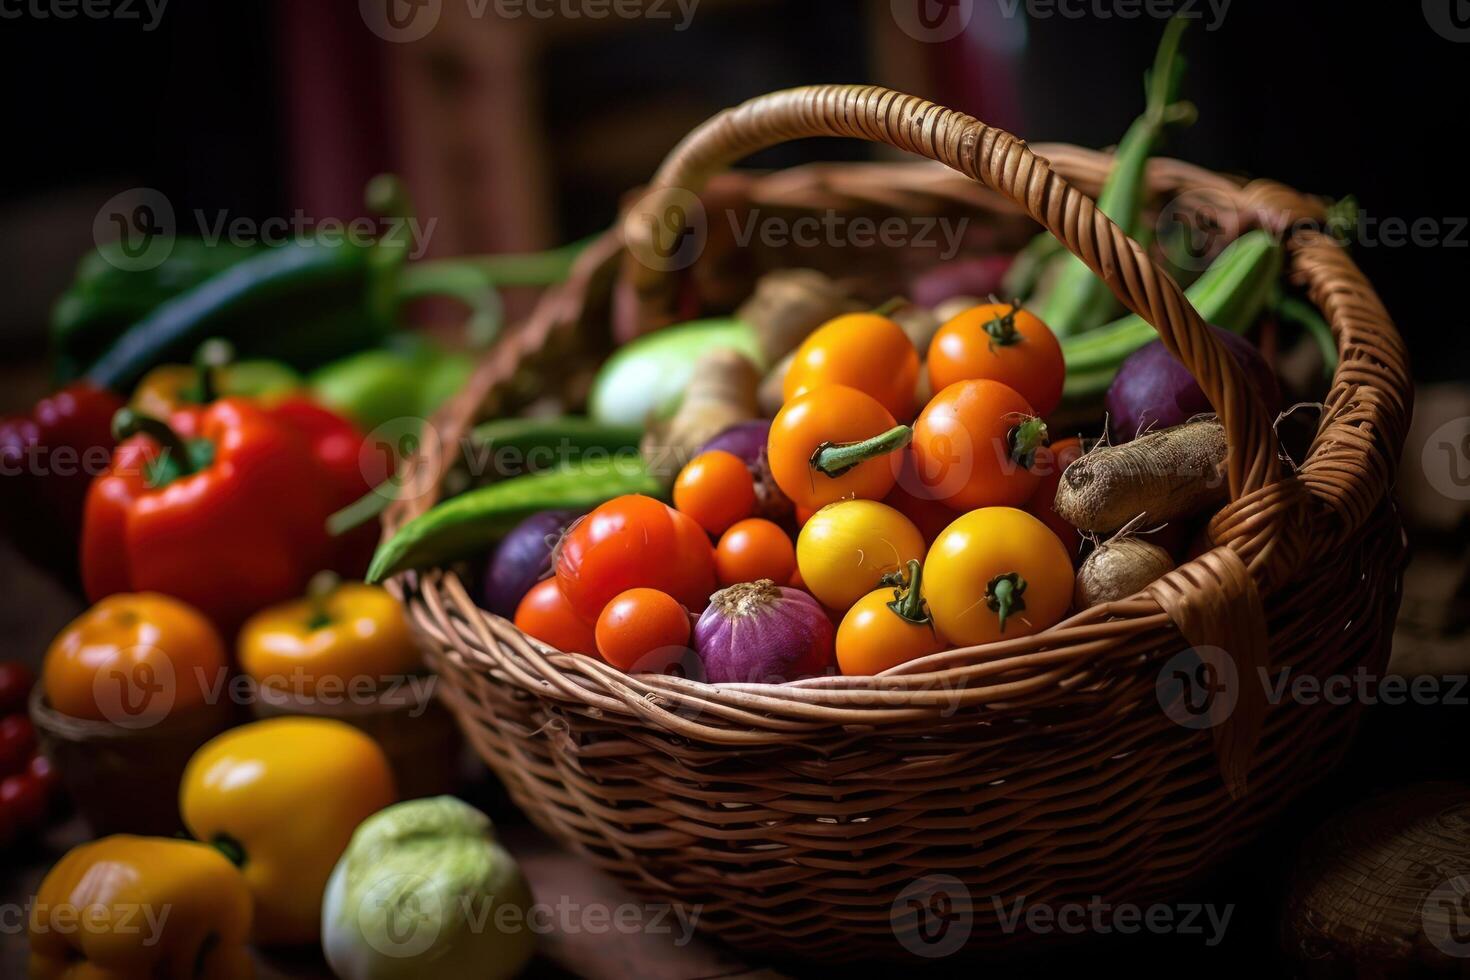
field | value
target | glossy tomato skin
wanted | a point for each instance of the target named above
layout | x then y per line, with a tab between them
17	743
865	351
844	551
716	490
755	549
1051	462
872	637
962	446
980	547
634	542
1000	342
545	614
643	630
833	414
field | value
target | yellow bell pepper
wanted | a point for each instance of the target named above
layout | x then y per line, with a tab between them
282	798
145	907
345	632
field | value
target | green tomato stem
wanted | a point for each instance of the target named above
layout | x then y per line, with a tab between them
1002	329
230	848
1026	439
835	459
211	356
318	591
908	598
1003	596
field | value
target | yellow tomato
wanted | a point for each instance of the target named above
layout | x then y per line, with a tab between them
996	573
846	548
283	797
887	627
353	631
861	350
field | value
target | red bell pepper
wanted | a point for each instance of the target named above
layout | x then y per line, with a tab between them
229	520
47	460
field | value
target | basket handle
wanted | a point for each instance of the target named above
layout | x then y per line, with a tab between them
991	156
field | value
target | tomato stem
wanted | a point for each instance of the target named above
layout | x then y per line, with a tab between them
891	307
212	355
230	848
1003	596
908	597
834	459
1025	439
1002	329
320	589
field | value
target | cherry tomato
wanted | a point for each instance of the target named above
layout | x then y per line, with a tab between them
755	549
844	551
545	614
17	743
996	573
634	542
24	799
836	415
887	627
643	629
16	681
43	772
716	490
974	446
1051	462
1000	342
861	350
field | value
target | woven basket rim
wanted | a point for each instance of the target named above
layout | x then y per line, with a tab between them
1329	496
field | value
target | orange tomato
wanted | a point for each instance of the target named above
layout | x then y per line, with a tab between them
839	416
755	549
887	627
642	629
545	614
133	657
1051	462
1000	342
974	446
716	490
865	351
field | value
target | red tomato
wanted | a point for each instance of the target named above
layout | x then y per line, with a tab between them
643	630
1000	342
43	772
23	799
634	542
755	549
1051	462
16	680
17	743
545	614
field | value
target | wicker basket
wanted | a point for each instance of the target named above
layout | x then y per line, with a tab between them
846	817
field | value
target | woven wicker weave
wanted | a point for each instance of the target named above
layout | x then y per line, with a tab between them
1040	769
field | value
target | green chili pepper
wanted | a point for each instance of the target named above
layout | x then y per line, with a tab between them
1076	298
466	525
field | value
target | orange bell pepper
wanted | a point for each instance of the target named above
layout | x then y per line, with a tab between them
134	658
141	907
229	520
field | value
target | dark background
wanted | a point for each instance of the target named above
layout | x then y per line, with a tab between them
258	109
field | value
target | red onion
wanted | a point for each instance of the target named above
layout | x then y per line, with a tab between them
744	439
763	633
